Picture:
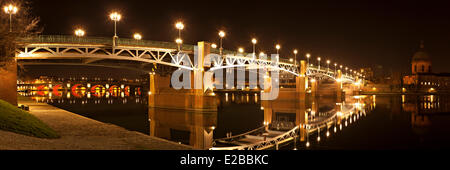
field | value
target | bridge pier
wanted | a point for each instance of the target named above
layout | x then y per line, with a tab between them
314	87
338	109
301	82
161	95
339	87
358	86
301	120
197	105
268	112
192	128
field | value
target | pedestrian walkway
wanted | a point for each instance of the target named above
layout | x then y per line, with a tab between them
81	133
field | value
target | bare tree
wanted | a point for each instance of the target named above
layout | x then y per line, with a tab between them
23	23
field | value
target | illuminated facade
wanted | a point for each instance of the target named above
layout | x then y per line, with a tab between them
422	78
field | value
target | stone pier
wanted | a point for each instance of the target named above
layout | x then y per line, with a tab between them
162	95
301	81
194	103
339	85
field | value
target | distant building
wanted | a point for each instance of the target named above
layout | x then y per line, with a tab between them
422	79
368	72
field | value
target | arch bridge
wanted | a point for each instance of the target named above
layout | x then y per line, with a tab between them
70	50
152	56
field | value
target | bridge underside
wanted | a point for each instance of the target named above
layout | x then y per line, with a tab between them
109	63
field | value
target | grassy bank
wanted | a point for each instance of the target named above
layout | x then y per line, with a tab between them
18	121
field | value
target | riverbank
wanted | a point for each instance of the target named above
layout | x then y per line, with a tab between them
81	133
15	120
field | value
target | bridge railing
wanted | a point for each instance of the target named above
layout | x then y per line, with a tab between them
69	39
65	39
101	41
330	72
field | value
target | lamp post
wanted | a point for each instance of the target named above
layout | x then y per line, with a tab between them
179	26
346	71
335	65
179	41
295	57
116	18
318	60
307	57
328	66
254	41
278	47
221	35
10	10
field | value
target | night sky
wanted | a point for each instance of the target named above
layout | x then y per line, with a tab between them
353	33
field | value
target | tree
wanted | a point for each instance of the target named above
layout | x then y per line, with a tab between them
24	24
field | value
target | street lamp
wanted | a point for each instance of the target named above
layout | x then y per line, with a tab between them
10	10
179	41
307	57
179	26
79	33
328	66
254	41
346	71
214	45
278	47
241	50
137	36
116	18
221	35
318	60
295	57
335	65
261	54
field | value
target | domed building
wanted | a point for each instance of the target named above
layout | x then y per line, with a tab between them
422	79
421	61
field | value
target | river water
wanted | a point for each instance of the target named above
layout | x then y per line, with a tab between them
388	122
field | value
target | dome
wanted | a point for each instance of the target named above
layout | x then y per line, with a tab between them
421	55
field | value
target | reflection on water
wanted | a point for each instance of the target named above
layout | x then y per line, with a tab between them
369	122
